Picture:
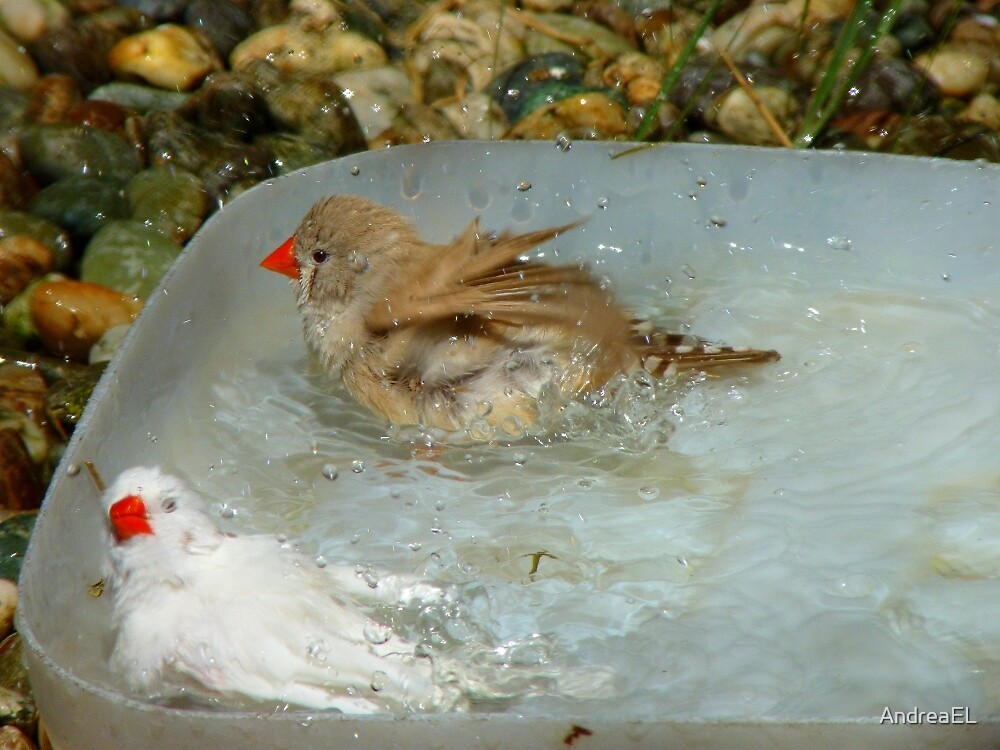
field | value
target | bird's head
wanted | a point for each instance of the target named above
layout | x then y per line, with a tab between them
145	502
343	257
338	251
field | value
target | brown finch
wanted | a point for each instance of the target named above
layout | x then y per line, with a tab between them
443	335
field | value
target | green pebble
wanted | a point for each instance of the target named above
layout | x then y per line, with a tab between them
54	237
137	97
55	152
14	534
171	201
66	398
293	152
13	105
602	37
16	314
128	256
80	204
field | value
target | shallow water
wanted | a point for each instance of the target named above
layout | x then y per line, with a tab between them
812	539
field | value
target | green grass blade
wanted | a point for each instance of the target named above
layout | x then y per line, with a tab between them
670	79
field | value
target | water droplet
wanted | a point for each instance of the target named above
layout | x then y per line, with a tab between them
227	511
72	470
282	538
511	425
318	650
377	634
586	483
717	221
838	242
355	539
415	546
379	681
946	277
357	261
649	492
439	505
602	202
355	171
320	561
524	186
563	143
520	459
688	271
357	466
330	471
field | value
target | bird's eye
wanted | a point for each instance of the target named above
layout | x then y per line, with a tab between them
169	505
320	256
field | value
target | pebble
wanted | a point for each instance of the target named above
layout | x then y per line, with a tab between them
16	187
17	69
54	237
138	97
737	116
81	205
129	257
70	316
590	115
102	115
20	484
295	49
169	56
172	202
27	20
956	72
51	98
8	605
12	738
312	105
230	106
57	151
984	109
223	23
225	166
22	260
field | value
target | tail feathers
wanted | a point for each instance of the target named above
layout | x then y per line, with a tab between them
660	351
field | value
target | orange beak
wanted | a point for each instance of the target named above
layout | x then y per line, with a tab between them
129	518
282	260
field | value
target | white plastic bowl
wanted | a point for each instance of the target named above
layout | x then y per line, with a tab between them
761	213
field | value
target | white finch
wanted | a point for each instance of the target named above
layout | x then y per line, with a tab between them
441	335
248	616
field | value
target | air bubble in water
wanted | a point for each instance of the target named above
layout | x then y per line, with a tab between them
649	492
357	466
602	203
330	471
320	561
839	242
688	271
377	634
379	681
318	650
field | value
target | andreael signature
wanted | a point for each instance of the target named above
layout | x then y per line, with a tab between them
953	715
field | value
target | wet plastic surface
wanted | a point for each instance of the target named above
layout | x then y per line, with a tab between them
926	218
